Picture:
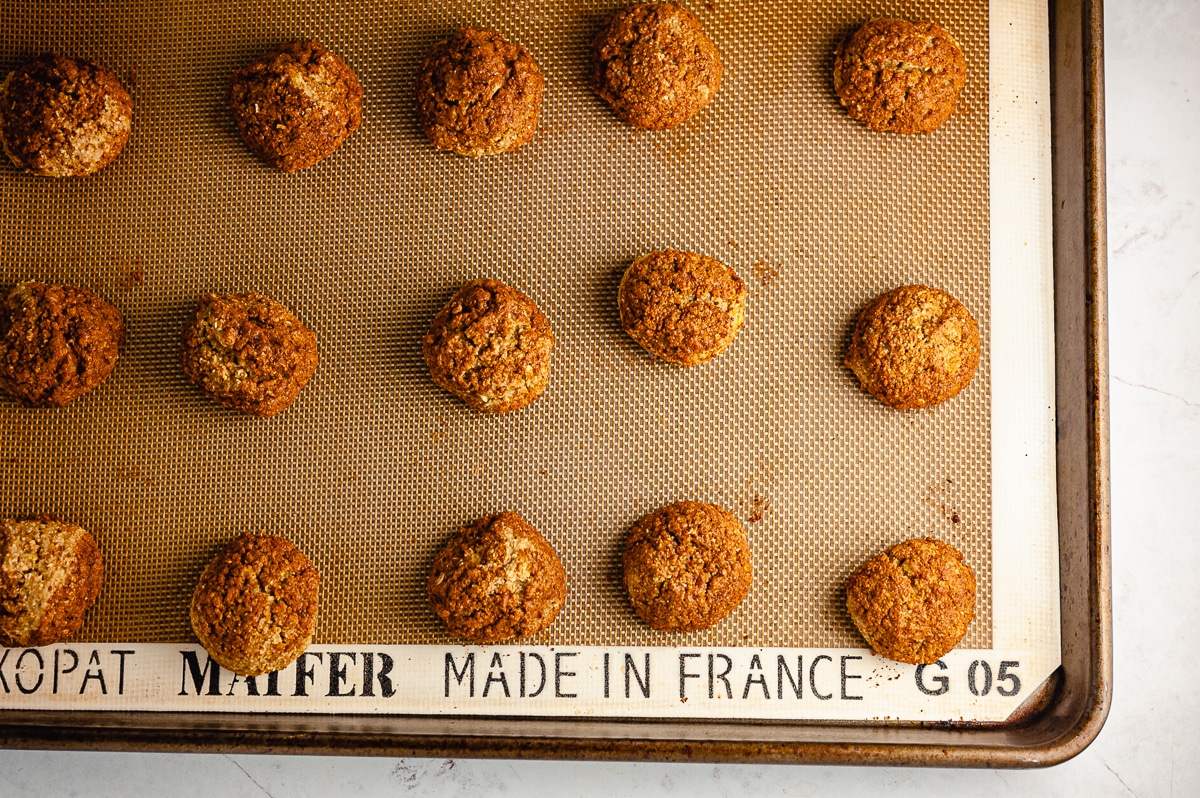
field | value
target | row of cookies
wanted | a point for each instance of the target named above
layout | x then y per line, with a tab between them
491	345
58	342
476	93
686	566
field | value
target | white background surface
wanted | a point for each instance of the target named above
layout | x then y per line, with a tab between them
1151	744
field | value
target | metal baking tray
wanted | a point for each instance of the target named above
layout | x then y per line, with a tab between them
1055	724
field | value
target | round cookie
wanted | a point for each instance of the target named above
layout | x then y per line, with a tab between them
255	607
50	575
654	65
477	94
63	117
490	346
687	566
57	342
913	602
248	352
914	346
294	105
497	579
899	76
682	307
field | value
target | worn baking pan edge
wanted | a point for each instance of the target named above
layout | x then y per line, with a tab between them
1070	719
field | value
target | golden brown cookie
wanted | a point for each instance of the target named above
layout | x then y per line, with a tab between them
687	566
63	117
50	575
490	346
654	65
477	94
682	307
248	352
913	602
914	346
294	105
255	607
57	342
899	76
497	579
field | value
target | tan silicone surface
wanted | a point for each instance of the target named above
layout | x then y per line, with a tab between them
373	467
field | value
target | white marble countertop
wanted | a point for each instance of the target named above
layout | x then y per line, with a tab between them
1151	743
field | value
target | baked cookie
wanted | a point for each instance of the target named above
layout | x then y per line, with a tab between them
654	65
490	346
913	602
63	117
50	575
255	607
294	105
477	94
682	307
497	579
914	346
899	76
687	566
248	352
57	342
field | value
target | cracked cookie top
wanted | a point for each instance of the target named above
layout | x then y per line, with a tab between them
682	307
255	607
497	579
248	352
50	575
913	602
294	105
57	342
477	94
687	566
654	65
490	346
899	76
914	346
63	117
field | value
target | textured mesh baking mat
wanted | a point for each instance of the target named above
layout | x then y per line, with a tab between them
374	466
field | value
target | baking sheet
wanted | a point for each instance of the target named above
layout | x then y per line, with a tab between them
373	467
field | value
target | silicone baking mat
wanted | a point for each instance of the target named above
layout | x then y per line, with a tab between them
374	467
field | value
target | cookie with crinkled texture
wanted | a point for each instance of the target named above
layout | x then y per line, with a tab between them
255	607
914	346
490	346
63	117
899	76
682	307
50	575
497	579
654	65
478	94
57	342
295	104
248	352
687	566
914	602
